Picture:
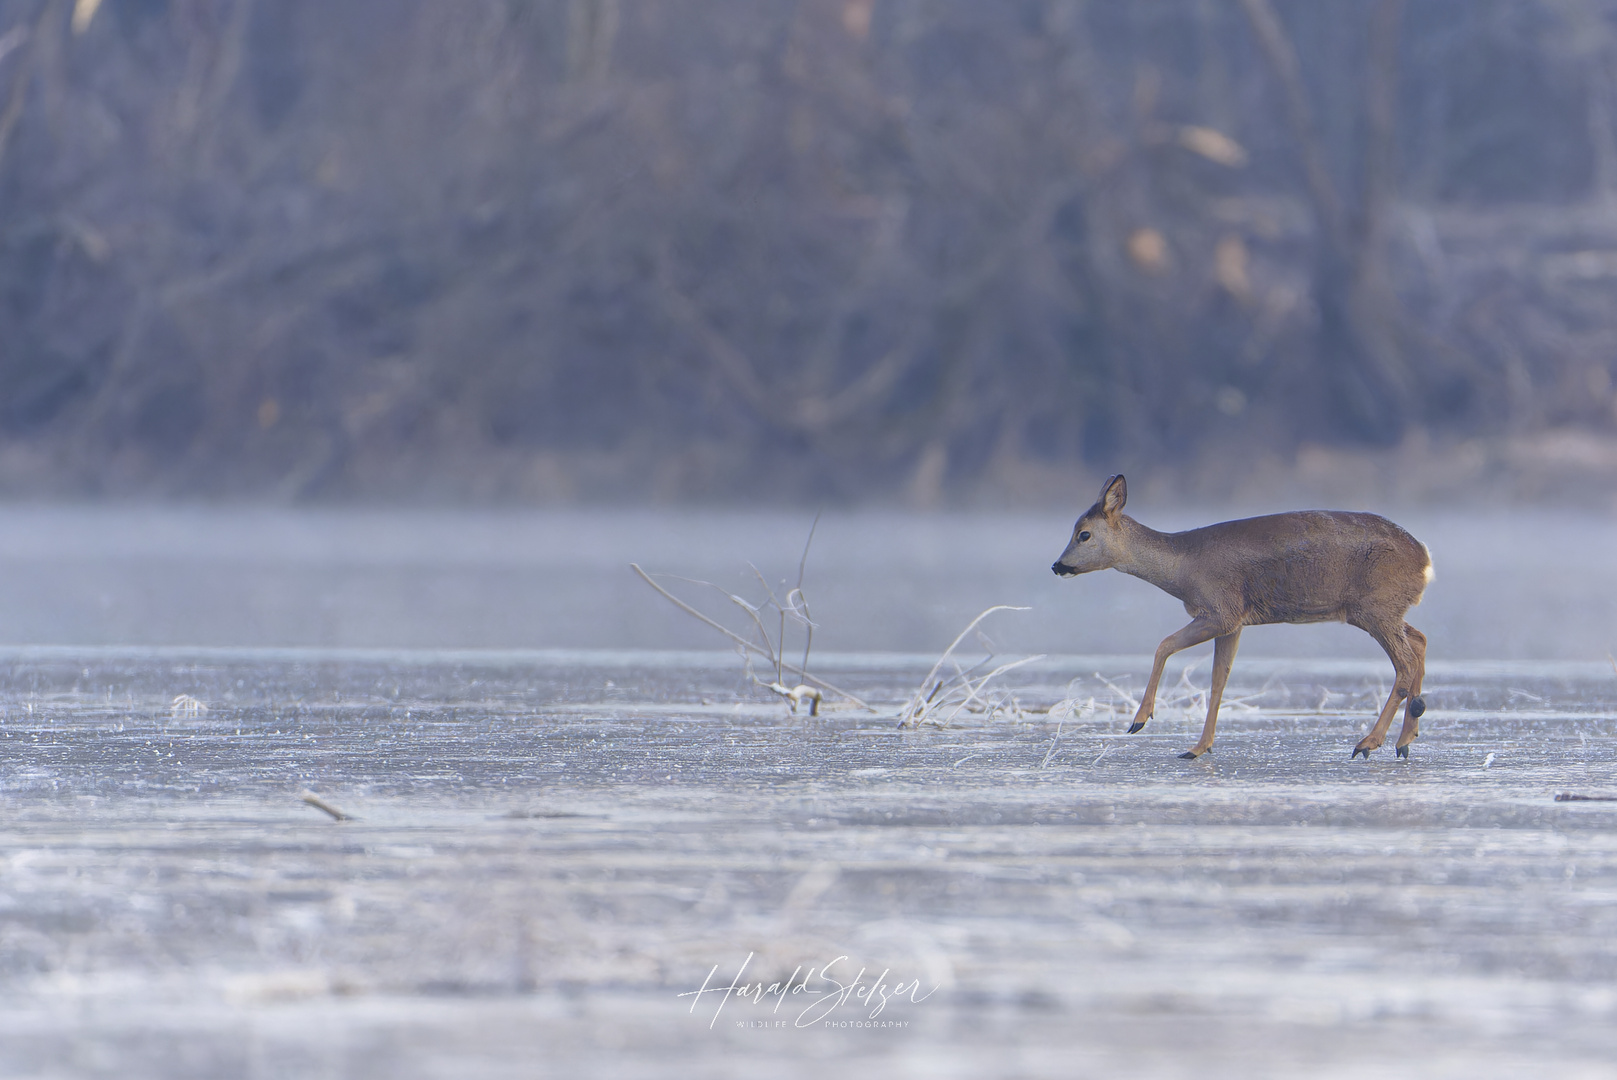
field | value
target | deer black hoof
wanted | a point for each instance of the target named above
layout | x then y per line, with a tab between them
1190	755
1365	750
1136	726
1417	706
1403	751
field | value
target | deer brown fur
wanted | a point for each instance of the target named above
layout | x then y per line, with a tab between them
1300	567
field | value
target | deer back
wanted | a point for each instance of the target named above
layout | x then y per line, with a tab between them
1304	566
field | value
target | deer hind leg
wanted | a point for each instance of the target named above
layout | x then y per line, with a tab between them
1402	654
1223	659
1195	633
1417	704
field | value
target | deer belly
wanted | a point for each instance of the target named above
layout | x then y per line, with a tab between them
1292	598
1297	614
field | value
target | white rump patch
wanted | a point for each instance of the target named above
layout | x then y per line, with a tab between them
1427	574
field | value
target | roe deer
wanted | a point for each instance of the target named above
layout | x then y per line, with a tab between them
1301	567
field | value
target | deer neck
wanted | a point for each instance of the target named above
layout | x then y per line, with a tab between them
1152	556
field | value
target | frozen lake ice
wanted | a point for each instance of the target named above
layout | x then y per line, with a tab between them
559	827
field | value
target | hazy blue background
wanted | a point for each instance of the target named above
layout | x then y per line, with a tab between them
776	251
894	581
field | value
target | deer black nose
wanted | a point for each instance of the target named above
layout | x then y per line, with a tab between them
1059	570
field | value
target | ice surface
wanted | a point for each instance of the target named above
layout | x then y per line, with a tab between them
547	851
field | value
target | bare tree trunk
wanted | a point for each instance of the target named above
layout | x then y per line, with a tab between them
592	28
1362	325
31	40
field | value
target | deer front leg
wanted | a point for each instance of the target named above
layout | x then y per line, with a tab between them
1223	660
1198	631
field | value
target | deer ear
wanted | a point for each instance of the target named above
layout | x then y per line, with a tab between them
1113	495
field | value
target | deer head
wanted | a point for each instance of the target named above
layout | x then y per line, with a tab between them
1097	543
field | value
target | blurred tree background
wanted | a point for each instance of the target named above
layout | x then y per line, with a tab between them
763	250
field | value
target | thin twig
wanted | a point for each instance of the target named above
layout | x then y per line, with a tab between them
947	653
972	689
1052	750
759	574
752	611
803	562
961	690
744	643
1133	702
320	804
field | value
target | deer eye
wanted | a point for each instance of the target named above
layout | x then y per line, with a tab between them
1084	535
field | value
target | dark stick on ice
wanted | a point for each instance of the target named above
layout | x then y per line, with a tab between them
320	804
